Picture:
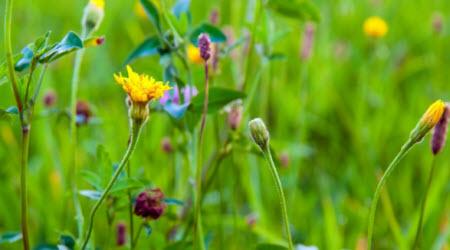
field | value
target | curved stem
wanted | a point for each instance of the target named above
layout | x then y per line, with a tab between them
282	199
373	207
135	131
23	186
417	239
130	210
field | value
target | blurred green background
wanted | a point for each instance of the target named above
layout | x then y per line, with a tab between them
340	116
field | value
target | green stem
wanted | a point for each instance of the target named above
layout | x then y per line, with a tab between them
134	137
23	185
9	54
373	207
417	241
136	239
130	210
198	180
73	136
282	199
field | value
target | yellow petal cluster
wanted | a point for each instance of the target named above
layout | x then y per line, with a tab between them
140	87
193	54
98	3
375	27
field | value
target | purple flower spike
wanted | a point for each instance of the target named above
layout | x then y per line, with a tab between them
121	234
204	44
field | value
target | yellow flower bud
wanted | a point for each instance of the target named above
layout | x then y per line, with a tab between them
193	54
429	119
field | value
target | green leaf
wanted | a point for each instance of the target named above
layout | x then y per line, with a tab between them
126	184
92	178
147	48
25	61
148	229
176	111
46	247
5	114
266	246
215	34
13	110
10	237
152	13
218	98
91	194
69	43
172	201
302	10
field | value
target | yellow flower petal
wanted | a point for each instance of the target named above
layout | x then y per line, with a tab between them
375	27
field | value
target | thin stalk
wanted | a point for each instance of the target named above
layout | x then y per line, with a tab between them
9	54
282	200
134	137
135	240
417	240
23	186
73	136
198	180
130	210
373	207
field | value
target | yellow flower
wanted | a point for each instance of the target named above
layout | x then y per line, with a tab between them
375	27
193	54
140	87
98	3
429	119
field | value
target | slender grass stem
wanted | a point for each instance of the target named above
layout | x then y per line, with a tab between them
373	207
130	210
23	186
198	180
418	238
9	54
136	239
135	132
282	199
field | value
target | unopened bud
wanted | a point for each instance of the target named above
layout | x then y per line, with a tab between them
429	119
204	44
259	133
121	234
235	115
308	41
284	159
166	145
93	16
440	132
49	99
84	113
150	204
438	23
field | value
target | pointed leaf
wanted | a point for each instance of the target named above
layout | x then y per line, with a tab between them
302	10
218	98
176	111
69	43
91	194
152	13
182	6
148	48
215	34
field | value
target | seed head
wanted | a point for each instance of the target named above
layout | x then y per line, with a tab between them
259	133
440	132
204	44
429	119
235	115
84	113
150	204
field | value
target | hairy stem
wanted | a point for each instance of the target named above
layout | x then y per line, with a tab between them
282	199
373	207
135	131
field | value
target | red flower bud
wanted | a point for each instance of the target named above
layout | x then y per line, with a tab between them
150	204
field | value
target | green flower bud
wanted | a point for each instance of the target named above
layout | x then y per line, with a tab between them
259	133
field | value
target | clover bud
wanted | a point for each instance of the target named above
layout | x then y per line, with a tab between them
259	133
92	16
150	204
204	44
121	234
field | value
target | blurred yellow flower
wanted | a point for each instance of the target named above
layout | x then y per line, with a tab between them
140	87
55	183
375	27
98	3
193	54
